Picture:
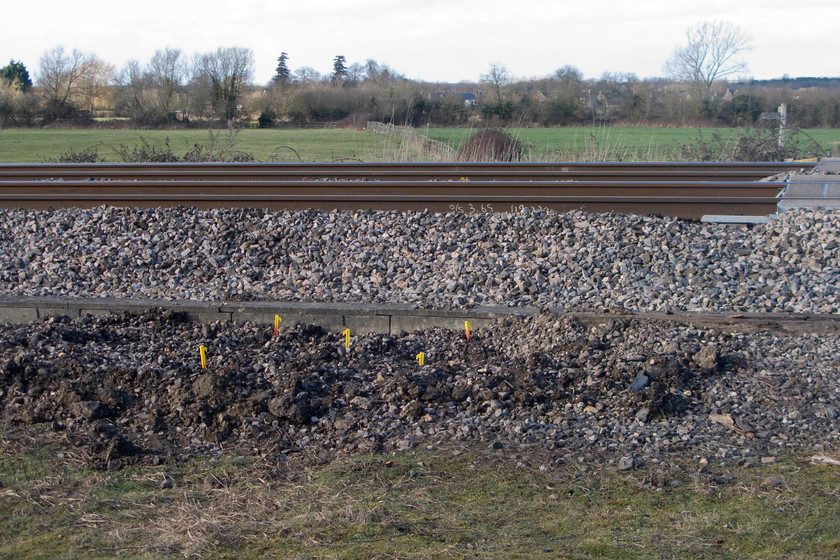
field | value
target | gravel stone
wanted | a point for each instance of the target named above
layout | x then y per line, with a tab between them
130	388
570	260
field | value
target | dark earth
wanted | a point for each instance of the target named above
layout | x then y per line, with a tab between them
119	389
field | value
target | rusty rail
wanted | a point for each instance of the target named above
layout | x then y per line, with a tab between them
531	171
680	190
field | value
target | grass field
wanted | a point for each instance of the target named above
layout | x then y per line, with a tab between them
542	144
32	146
622	143
427	504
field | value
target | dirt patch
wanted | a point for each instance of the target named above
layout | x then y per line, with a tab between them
122	389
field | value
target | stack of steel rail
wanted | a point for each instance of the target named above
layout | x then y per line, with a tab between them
684	190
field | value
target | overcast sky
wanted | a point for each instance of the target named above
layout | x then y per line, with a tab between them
429	40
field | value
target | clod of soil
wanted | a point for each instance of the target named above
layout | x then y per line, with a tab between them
491	144
120	389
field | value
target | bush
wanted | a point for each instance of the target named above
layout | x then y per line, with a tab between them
753	144
146	153
88	155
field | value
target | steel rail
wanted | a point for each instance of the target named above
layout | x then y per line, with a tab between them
786	165
407	171
682	207
520	188
416	187
387	175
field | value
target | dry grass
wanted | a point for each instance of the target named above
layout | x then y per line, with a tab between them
460	503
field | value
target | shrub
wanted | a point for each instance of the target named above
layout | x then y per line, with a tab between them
88	155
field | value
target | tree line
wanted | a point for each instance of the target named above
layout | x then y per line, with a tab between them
174	89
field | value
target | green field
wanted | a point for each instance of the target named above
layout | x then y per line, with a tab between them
542	144
629	143
32	145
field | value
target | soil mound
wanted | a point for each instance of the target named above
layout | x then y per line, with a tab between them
491	144
121	389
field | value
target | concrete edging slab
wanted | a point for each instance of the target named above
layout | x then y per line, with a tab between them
389	319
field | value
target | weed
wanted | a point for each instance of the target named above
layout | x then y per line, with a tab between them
465	502
87	155
753	144
146	153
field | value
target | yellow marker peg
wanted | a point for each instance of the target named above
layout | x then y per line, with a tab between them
467	328
277	321
421	358
346	334
203	351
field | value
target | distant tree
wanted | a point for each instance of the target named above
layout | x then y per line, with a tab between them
496	78
70	83
94	83
282	75
379	73
355	73
198	90
152	95
16	76
339	70
372	70
228	71
167	72
17	104
711	54
565	100
307	75
135	98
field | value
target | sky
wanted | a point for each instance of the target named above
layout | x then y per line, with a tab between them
430	40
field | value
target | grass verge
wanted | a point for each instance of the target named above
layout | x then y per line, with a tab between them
443	502
620	143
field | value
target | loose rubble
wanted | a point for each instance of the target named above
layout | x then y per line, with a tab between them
122	389
629	391
572	260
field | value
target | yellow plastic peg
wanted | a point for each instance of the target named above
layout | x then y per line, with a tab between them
421	358
277	321
467	328
346	334
203	351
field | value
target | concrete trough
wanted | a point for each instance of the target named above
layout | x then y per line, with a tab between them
333	317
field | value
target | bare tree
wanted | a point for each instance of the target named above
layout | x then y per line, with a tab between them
355	73
98	75
565	97
306	75
153	94
167	71
228	70
497	78
135	92
377	73
712	53
71	82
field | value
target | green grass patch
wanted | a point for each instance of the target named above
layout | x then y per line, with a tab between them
624	143
427	504
620	143
34	146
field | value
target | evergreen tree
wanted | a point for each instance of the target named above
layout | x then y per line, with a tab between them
16	75
282	75
339	70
